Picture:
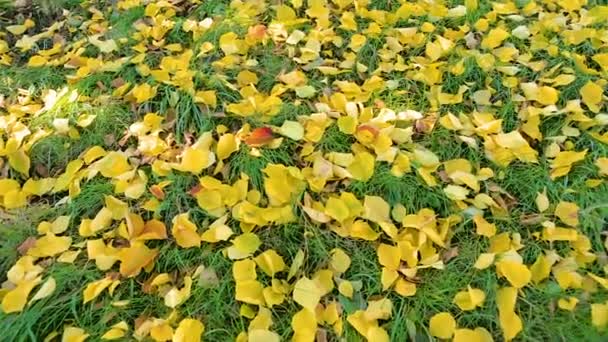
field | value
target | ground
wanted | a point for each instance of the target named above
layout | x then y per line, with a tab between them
330	170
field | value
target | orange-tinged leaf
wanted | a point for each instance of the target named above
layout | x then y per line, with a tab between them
259	137
134	258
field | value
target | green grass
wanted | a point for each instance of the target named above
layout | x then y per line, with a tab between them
35	80
53	153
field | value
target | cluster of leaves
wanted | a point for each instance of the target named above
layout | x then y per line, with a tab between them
175	140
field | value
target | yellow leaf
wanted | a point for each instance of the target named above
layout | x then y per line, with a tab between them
37	61
340	261
15	299
250	291
243	246
442	325
218	231
602	165
113	164
304	324
389	256
568	303
226	145
542	202
362	167
379	309
388	277
306	293
541	268
117	331
20	162
484	261
510	323
547	95
189	330
599	315
134	258
551	233
469	299
292	130
270	262
104	46
346	288
185	231
494	38
563	161
194	160
207	97
162	332
72	334
263	335
176	296
591	94
484	227
45	290
567	212
230	44
467	335
143	92
516	273
297	262
376	209
50	245
282	184
95	288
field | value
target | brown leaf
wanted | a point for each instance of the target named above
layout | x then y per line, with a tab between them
109	139
101	86
26	245
321	335
208	278
449	254
195	190
117	82
531	219
41	170
471	40
157	191
125	138
426	124
444	176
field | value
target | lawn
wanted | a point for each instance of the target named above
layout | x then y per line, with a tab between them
321	170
